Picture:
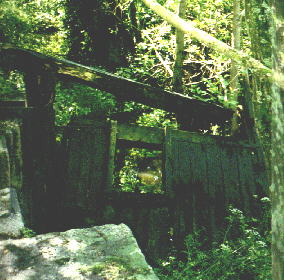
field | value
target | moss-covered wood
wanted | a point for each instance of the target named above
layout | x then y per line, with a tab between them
204	178
36	65
38	144
141	135
88	163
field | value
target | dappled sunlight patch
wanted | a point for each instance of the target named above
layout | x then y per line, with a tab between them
115	268
71	270
74	245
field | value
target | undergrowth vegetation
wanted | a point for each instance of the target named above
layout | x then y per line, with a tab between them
242	252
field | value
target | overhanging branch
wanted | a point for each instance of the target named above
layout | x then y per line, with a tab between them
238	56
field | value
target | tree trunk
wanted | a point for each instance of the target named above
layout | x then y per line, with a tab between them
277	153
236	44
234	71
260	88
178	66
97	33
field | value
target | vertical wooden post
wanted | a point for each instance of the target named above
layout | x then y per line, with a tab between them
38	147
168	164
174	191
111	155
90	151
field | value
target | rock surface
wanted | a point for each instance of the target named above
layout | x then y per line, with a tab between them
11	222
108	252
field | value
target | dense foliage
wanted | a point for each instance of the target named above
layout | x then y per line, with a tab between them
130	40
36	25
243	253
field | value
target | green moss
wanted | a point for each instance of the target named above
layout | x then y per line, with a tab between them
126	265
96	268
115	268
62	261
27	232
4	125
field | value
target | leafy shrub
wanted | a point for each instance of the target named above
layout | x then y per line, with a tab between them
141	172
75	100
11	87
243	254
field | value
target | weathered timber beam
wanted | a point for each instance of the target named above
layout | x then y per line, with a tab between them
12	103
155	136
122	88
39	73
206	139
129	90
120	199
141	135
14	112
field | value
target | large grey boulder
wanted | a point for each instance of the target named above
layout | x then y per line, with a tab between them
108	252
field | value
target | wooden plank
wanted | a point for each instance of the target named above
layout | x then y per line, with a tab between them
120	199
261	172
39	180
12	103
182	161
87	167
155	136
122	88
111	155
15	112
199	185
231	176
158	240
187	184
195	137
216	199
168	163
142	134
247	181
188	160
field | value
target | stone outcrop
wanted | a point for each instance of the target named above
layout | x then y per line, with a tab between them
108	252
11	222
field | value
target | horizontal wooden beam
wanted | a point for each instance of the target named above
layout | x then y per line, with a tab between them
12	103
122	88
140	134
131	199
154	136
14	112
